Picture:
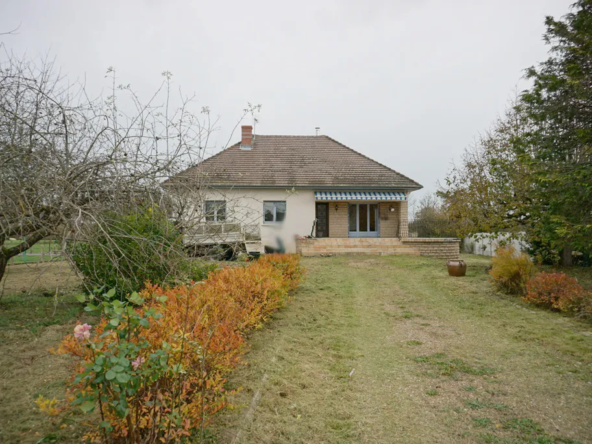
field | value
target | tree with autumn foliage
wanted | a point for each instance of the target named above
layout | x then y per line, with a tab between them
489	191
532	173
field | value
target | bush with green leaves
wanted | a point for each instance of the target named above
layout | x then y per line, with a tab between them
198	270
127	250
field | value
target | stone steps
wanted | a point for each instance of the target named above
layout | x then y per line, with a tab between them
378	246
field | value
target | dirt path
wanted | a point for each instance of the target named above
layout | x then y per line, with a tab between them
387	350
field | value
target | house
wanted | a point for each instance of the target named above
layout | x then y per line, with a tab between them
307	194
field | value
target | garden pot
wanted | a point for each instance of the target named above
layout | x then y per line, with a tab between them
457	267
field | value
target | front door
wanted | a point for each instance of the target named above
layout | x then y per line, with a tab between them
363	220
322	219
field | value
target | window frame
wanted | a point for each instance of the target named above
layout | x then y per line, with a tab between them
367	233
275	202
219	204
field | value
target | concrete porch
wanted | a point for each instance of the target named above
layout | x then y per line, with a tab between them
443	248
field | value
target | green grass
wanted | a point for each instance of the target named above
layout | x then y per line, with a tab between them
482	422
444	366
37	253
475	404
370	350
37	310
32	322
345	353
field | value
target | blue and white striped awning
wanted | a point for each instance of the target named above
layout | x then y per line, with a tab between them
359	195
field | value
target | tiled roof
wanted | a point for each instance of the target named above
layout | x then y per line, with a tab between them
297	161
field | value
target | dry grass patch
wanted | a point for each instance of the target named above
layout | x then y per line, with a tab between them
40	277
34	319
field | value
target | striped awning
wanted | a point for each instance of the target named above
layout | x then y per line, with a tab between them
359	195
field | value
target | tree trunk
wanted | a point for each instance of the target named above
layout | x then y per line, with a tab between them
7	253
3	263
566	255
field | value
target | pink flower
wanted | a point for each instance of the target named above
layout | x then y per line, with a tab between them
82	331
138	362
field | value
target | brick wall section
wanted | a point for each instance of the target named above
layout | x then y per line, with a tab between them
389	220
352	245
338	220
442	248
403	218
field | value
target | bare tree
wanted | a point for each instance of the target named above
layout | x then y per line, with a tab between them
428	218
67	160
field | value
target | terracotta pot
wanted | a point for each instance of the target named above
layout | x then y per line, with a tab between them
457	267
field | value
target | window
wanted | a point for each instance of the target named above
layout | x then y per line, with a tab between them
274	211
363	220
353	217
215	211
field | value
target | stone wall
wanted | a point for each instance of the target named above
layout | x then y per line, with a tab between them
443	248
353	245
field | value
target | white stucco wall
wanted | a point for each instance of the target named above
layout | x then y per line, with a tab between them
246	206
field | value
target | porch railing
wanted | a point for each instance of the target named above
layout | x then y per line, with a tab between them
219	233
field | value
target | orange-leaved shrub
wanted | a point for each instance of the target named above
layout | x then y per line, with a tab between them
557	291
290	268
510	270
155	366
255	291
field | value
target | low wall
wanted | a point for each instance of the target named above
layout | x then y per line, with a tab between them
344	245
443	248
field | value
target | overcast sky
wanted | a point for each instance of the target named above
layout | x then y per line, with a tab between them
410	83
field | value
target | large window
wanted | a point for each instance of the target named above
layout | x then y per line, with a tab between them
215	211
363	220
274	211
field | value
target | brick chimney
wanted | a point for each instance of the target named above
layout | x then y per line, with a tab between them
247	137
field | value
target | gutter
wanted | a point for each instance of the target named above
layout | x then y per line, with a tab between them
318	187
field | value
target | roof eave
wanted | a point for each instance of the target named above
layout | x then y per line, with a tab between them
318	187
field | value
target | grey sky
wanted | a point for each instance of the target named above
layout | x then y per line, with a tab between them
409	83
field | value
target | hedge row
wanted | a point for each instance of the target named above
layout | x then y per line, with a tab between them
155	366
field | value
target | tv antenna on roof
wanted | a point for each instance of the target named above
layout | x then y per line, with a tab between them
317	128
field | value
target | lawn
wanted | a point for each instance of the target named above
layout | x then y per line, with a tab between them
391	349
37	309
44	250
370	350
